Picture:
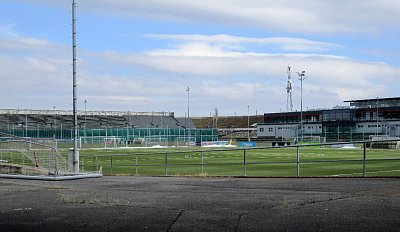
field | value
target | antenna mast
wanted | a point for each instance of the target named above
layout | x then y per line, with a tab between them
75	161
289	103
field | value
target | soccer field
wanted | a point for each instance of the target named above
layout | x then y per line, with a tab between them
313	161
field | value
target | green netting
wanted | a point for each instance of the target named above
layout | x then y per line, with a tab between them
124	133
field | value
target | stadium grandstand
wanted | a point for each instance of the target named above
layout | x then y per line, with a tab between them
51	119
114	127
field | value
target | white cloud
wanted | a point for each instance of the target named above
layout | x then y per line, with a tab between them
284	43
219	69
12	41
306	16
240	76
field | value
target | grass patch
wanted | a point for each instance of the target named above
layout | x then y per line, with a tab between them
190	161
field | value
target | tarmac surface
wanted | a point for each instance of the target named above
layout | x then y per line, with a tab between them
126	203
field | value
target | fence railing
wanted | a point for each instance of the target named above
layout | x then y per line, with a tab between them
295	160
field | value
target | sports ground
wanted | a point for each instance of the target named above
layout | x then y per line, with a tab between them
281	162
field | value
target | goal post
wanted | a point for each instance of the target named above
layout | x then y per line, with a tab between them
110	142
98	142
150	141
185	141
313	139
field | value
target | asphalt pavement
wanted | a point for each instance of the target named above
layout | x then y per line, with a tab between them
126	203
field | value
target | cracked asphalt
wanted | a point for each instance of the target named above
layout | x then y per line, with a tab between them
126	203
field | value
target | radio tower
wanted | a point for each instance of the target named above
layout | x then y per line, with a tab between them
289	103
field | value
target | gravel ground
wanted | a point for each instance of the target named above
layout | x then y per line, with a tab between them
127	203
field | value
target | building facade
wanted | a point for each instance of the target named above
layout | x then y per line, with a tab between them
358	121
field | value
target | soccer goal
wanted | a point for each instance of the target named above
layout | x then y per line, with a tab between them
185	141
98	142
151	141
313	139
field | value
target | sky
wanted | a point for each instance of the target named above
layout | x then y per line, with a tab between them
141	55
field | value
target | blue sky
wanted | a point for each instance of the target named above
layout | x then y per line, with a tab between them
140	55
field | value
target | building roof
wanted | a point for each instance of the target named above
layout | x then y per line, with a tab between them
374	99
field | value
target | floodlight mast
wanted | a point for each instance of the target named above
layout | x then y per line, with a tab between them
75	163
289	103
302	77
188	89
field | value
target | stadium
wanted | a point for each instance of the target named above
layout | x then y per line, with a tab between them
112	142
310	170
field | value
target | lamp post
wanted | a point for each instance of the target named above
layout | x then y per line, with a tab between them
26	123
248	123
55	125
75	158
85	115
188	91
302	77
377	113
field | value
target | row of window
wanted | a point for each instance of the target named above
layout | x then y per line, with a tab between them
361	126
271	129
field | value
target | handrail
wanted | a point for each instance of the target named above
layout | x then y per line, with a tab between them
245	162
28	141
254	148
83	112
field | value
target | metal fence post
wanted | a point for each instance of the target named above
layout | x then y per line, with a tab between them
55	162
297	161
364	160
137	165
202	163
166	163
244	162
83	165
111	166
96	164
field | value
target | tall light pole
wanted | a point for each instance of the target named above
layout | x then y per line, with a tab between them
248	123
377	113
55	125
85	116
302	77
188	90
75	160
26	123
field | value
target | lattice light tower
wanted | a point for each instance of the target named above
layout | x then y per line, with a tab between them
289	102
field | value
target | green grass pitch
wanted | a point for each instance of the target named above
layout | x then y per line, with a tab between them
259	162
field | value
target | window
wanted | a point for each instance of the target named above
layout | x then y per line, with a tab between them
270	129
261	129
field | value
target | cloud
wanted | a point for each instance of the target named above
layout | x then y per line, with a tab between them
240	75
302	16
283	43
222	71
10	40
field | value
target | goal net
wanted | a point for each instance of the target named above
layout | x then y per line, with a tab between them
99	142
185	141
313	139
155	141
